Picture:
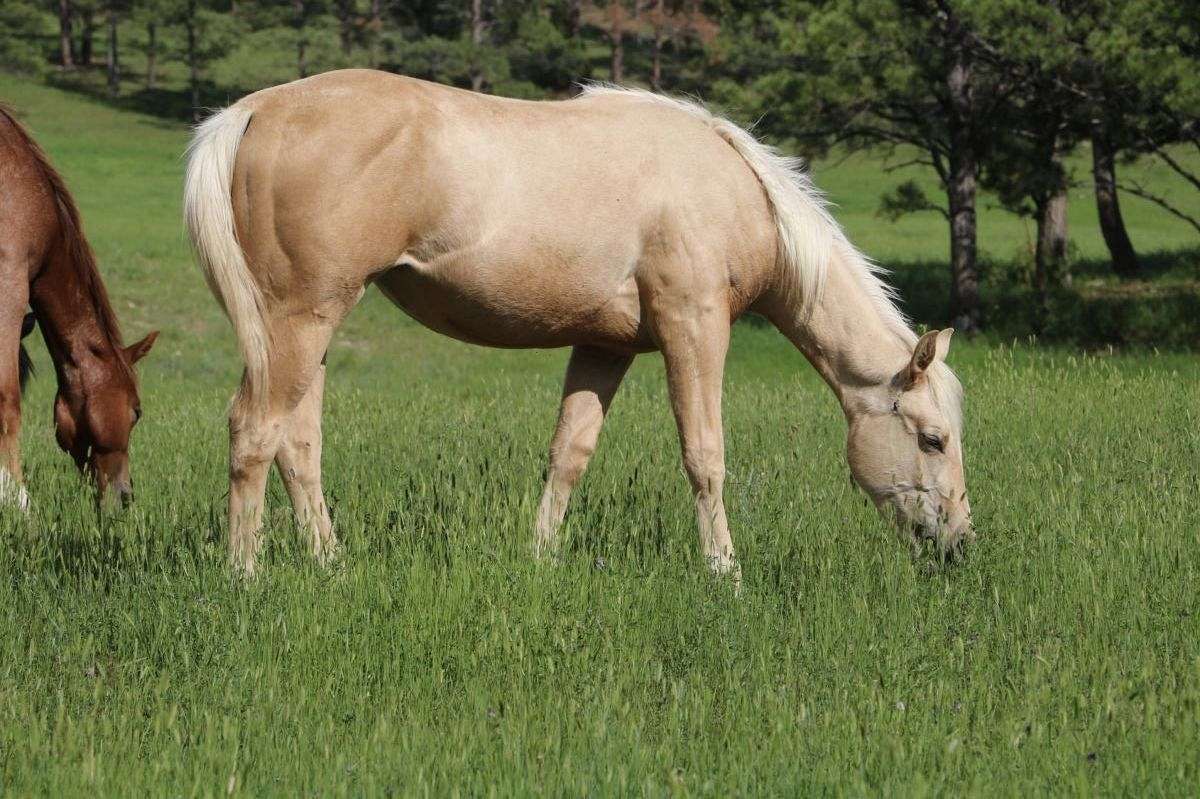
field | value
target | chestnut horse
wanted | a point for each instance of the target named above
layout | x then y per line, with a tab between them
46	264
616	223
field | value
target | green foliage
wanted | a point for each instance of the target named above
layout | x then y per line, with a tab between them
544	56
906	198
24	26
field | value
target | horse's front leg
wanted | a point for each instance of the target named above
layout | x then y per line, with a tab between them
15	324
694	338
593	377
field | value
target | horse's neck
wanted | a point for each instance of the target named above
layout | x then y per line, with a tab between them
69	316
845	336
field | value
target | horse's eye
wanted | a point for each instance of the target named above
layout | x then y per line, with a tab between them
137	414
931	442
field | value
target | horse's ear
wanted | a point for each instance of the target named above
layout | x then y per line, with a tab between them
27	324
932	347
135	352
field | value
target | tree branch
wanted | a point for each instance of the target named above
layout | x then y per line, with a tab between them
1178	168
1137	190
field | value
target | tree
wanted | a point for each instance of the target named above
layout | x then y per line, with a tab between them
906	75
667	21
208	35
87	10
113	53
24	25
1024	45
66	46
299	18
616	17
347	17
478	31
1150	65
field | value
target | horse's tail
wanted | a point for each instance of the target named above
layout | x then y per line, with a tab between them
208	212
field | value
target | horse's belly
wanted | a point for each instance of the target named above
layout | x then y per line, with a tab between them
479	308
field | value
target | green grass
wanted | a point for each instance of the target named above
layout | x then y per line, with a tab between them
437	659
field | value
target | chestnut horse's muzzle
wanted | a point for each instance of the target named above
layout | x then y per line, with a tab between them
110	472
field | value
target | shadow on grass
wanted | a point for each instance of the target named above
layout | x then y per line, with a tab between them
171	105
1160	308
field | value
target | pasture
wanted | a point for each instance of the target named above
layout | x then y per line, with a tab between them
437	658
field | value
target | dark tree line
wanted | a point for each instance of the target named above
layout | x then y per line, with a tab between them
989	94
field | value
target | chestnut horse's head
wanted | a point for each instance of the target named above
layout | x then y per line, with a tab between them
94	415
905	447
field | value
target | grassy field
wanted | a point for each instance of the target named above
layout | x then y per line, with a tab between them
436	659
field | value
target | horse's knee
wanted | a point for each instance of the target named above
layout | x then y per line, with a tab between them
570	461
10	413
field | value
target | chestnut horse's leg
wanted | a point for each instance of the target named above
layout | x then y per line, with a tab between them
693	334
12	318
593	376
299	463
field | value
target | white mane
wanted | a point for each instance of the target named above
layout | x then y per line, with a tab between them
809	237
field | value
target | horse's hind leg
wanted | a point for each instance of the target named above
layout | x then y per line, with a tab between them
258	427
593	377
299	464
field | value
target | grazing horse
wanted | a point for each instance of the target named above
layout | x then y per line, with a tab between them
616	223
46	264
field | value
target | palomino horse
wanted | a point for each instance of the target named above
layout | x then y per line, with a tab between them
616	223
46	263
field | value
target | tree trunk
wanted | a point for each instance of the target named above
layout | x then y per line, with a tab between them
477	31
1112	225
1050	253
659	35
345	10
85	43
961	186
114	56
376	30
574	17
301	38
616	35
193	59
151	54
66	57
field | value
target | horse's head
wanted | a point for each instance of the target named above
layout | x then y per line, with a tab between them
905	447
94	415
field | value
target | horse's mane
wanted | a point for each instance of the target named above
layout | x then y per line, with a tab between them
811	239
78	249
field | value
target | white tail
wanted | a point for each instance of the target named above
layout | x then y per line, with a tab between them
208	212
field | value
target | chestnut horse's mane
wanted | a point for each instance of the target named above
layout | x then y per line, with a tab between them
78	249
